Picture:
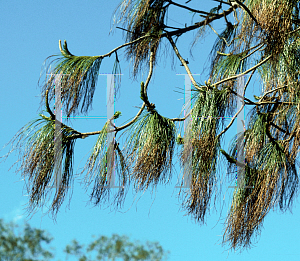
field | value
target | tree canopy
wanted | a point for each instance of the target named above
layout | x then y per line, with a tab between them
28	244
260	38
117	247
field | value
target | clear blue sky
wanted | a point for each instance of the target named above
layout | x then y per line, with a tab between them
30	32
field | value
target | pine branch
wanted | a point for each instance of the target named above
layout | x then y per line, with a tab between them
239	3
241	74
48	108
183	62
145	88
199	24
187	8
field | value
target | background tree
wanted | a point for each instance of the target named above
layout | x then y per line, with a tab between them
117	247
25	245
260	38
28	245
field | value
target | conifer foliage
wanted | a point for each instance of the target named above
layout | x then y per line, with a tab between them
261	38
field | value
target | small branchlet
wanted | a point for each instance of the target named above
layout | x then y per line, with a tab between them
48	107
117	114
179	140
208	83
150	106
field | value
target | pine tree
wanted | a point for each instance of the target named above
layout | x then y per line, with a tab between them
260	38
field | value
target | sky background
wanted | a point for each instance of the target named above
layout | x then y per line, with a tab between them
30	32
